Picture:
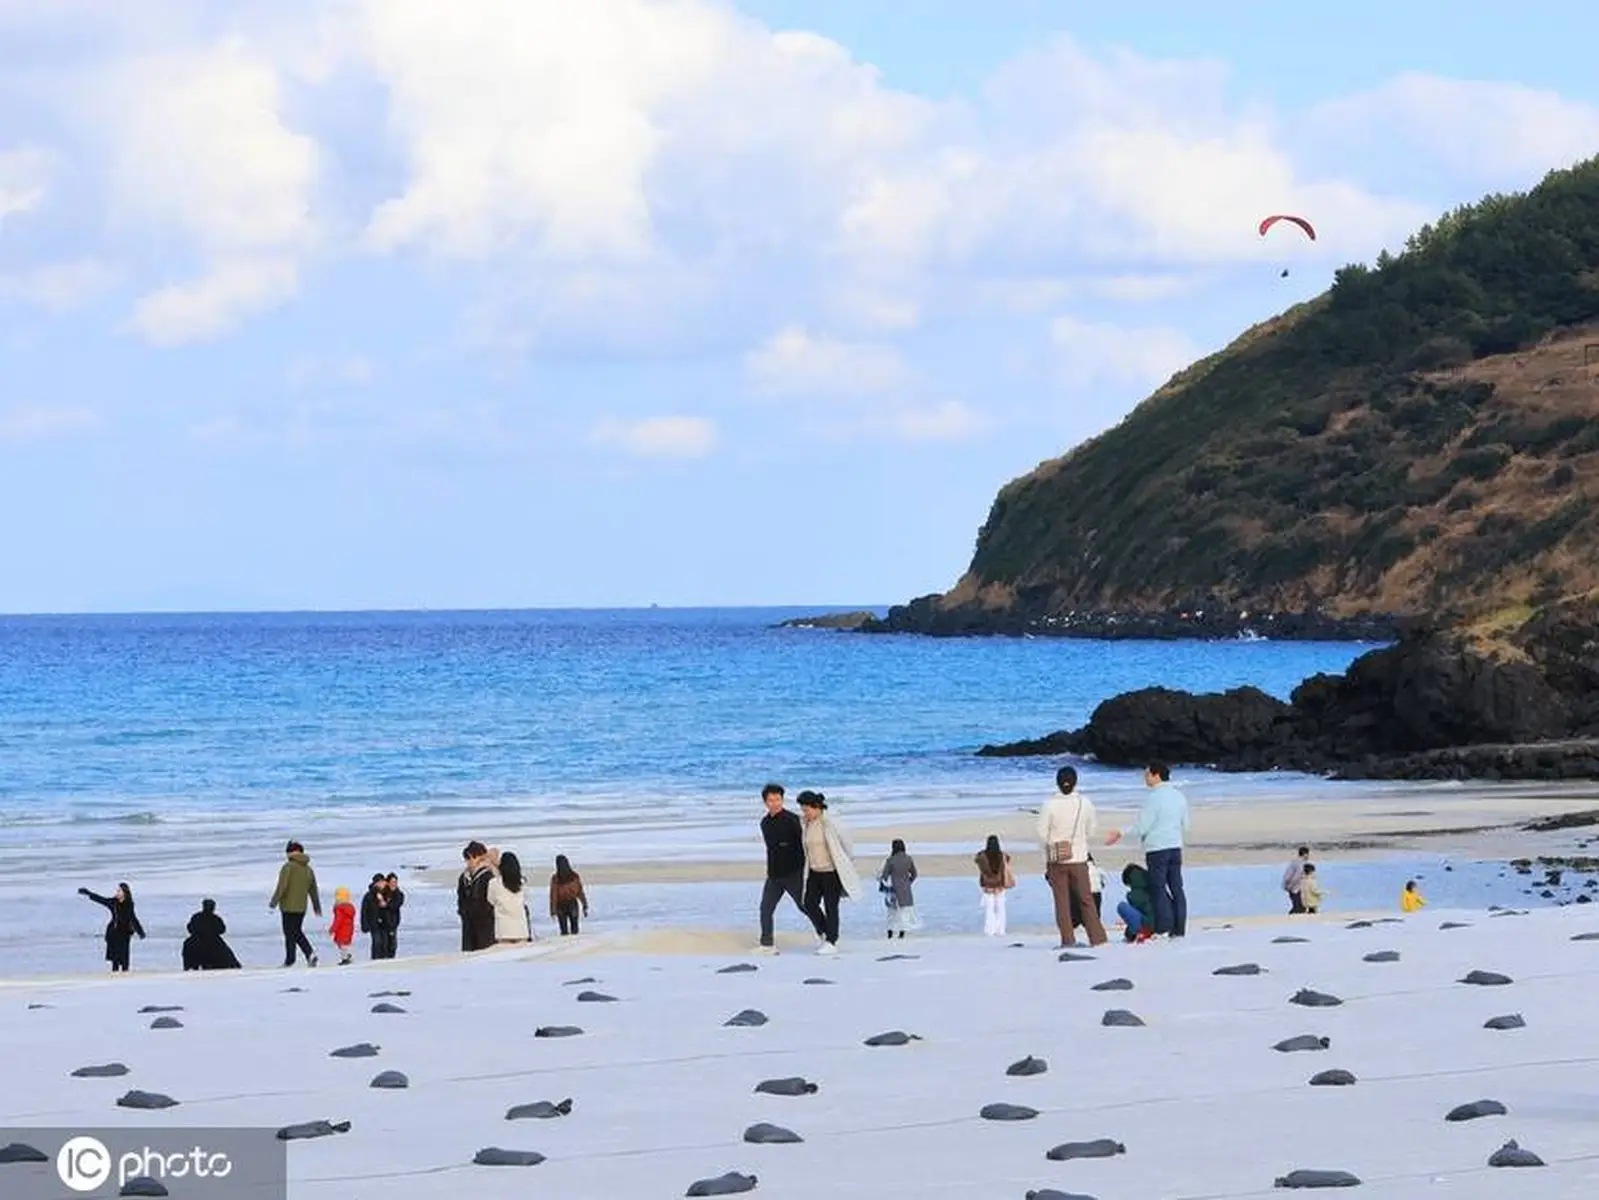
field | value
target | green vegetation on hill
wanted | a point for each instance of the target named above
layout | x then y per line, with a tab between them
1423	437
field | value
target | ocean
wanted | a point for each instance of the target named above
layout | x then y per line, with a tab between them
179	752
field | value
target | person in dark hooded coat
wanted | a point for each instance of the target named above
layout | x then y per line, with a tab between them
122	926
204	949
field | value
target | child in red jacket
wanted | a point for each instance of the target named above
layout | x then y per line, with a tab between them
343	927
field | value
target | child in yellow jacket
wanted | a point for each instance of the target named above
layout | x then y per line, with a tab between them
1410	899
1310	890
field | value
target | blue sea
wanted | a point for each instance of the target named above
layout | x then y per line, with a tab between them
179	752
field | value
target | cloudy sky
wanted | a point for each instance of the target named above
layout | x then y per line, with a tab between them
503	303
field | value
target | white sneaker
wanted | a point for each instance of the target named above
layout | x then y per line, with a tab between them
827	948
767	950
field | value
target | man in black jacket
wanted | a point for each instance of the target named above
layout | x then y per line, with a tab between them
784	835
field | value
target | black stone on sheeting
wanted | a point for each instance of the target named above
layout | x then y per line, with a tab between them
1309	998
1317	1179
1511	912
143	1185
1305	1041
894	1037
1333	1078
762	1134
749	1018
1120	1018
494	1156
1289	939
1098	1148
1027	1066
557	1031
103	1071
161	1008
1512	1155
1382	956
731	1184
738	969
381	995
595	998
898	957
166	1023
1073	956
793	1085
1487	979
1508	1021
386	1007
1113	985
817	982
1007	1112
1018	945
539	1110
32	1007
138	1099
1390	920
359	1050
1592	936
288	990
1052	1194
390	1080
1358	925
1240	969
1455	925
21	1152
577	982
312	1129
1477	1108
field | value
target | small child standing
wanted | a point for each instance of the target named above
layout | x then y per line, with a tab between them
1410	899
894	881
343	927
1310	890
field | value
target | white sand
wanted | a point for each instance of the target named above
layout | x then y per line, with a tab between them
663	1091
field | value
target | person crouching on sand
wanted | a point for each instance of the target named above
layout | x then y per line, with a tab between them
205	949
1138	910
567	896
121	928
1410	899
994	878
342	931
830	875
513	924
894	881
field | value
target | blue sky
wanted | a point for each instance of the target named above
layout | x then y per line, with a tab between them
514	302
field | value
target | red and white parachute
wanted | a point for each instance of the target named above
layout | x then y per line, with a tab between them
1310	230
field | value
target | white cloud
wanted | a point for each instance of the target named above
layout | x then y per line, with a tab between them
348	370
796	362
1093	353
659	437
234	288
24	179
30	424
950	421
59	287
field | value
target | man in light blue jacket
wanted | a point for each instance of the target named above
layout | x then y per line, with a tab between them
1161	826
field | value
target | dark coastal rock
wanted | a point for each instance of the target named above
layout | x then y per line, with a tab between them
893	1037
390	1081
21	1152
1333	1078
731	1184
1310	998
1317	1179
763	1134
1382	956
1027	1066
595	998
1508	1021
161	1008
359	1050
1304	1042
557	1031
495	1156
386	1007
1476	1109
1512	1155
742	968
1098	1148
143	1185
1113	985
1007	1112
1289	939
138	1099
1239	969
1120	1018
539	1110
312	1129
102	1071
166	1023
1073	956
1487	979
380	995
749	1018
792	1085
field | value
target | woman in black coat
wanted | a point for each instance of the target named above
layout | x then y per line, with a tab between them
124	923
204	949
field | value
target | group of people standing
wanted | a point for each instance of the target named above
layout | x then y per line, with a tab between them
490	900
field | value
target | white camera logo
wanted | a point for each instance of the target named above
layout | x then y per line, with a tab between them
83	1163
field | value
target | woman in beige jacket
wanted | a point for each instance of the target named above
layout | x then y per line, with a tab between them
1066	827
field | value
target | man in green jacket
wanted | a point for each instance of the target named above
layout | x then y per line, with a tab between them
1138	910
296	889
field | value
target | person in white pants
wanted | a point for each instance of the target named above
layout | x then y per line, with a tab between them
995	878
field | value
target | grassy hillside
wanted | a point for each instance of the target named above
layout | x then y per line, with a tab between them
1424	437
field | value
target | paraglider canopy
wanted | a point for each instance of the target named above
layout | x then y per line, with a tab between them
1299	221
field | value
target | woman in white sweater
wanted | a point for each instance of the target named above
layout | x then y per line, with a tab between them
512	924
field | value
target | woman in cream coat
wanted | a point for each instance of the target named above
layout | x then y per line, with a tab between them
512	925
830	874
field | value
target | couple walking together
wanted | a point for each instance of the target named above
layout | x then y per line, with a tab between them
808	860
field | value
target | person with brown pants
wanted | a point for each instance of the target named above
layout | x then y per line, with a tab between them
1066	826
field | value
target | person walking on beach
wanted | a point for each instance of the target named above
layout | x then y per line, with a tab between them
295	891
472	898
1410	899
1293	880
1161	826
1310	890
1138	910
121	929
376	920
1066	825
567	897
830	875
994	879
513	924
395	899
342	931
205	949
784	835
894	881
